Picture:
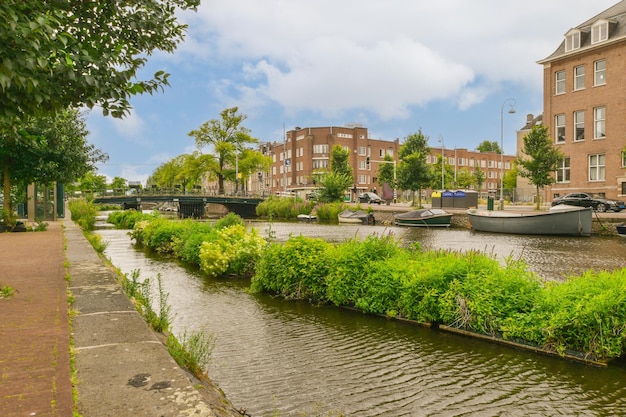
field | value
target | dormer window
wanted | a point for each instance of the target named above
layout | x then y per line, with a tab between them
600	31
572	40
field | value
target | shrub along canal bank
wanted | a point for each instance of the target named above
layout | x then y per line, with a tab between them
582	318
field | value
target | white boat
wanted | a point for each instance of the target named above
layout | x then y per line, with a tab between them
560	220
357	217
307	217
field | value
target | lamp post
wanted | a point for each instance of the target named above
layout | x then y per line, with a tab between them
511	102
442	156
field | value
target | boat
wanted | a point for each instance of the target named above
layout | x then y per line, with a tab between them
357	217
423	218
560	220
621	229
307	217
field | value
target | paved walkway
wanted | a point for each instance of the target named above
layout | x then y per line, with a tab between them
122	368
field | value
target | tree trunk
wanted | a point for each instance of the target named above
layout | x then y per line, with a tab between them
538	199
8	212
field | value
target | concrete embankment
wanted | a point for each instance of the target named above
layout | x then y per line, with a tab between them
123	368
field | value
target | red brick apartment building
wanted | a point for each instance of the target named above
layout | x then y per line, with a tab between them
585	105
306	151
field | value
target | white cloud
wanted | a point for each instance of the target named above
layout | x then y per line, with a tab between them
382	57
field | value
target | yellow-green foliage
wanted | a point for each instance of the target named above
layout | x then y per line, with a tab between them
235	251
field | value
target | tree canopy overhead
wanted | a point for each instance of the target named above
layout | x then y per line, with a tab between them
57	54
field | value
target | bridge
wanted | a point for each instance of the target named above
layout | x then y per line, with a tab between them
189	205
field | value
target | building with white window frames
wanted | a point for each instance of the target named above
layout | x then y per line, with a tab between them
585	106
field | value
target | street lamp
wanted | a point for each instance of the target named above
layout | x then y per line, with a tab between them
511	110
442	156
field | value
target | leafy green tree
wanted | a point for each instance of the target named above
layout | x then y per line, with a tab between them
487	146
340	161
539	159
227	139
414	173
118	183
479	178
448	174
251	162
48	148
386	171
464	178
334	184
59	54
91	182
510	179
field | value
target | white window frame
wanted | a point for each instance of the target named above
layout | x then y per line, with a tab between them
579	78
599	123
597	167
362	151
559	128
320	149
563	171
572	41
579	125
599	72
559	82
599	31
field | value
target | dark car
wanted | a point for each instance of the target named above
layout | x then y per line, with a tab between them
370	198
587	200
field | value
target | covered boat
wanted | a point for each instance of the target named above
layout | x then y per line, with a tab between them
423	218
560	220
358	216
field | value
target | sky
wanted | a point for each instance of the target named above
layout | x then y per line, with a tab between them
450	68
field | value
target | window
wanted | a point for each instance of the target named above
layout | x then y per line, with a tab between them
596	167
381	153
579	125
320	163
599	115
560	82
320	148
599	31
562	172
492	164
559	126
363	179
362	165
623	160
579	77
599	77
362	151
572	41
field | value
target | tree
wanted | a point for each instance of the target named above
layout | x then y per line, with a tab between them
386	173
448	174
479	178
227	138
47	149
59	54
539	159
464	178
413	172
487	146
340	161
91	182
335	183
251	161
118	183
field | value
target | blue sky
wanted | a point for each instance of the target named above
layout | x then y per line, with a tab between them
444	67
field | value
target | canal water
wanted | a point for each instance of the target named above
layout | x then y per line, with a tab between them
282	358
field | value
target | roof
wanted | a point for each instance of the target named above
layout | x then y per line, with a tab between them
615	14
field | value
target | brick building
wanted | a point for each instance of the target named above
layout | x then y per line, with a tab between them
585	105
306	151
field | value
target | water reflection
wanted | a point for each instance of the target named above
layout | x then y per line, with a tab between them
291	357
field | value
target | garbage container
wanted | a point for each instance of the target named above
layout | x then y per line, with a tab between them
447	199
436	199
489	203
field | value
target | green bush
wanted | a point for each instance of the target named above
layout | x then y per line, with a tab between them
126	219
329	212
284	208
235	251
83	213
296	269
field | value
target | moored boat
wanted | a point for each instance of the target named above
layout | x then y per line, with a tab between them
424	218
307	217
356	217
560	220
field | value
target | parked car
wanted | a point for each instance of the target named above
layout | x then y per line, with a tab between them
370	198
587	200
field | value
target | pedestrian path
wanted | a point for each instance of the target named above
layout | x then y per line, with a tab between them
122	367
